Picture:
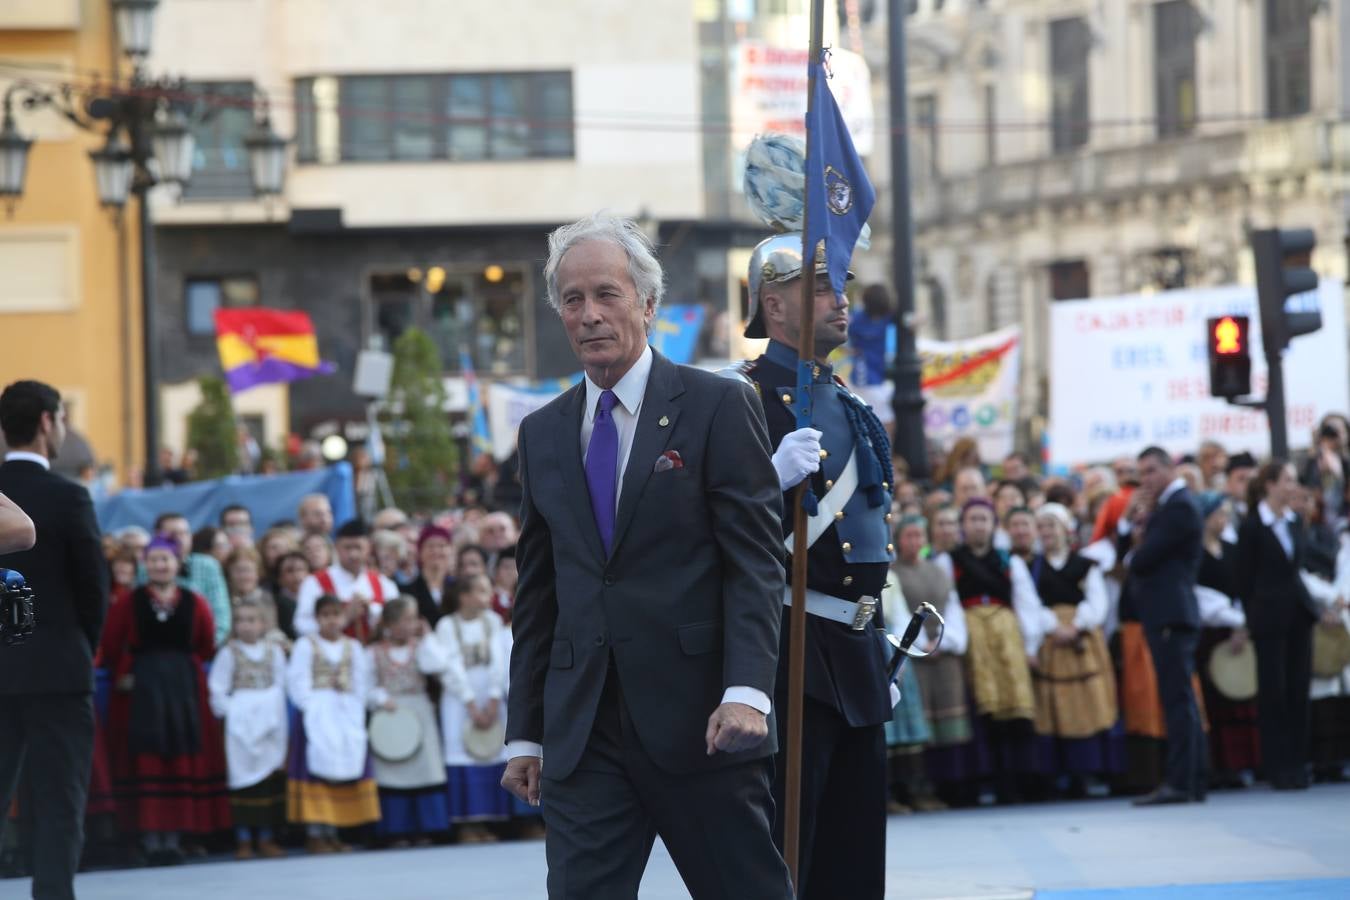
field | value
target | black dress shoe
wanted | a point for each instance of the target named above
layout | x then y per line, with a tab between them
1164	796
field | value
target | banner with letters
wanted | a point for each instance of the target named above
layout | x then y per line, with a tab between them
1127	372
970	390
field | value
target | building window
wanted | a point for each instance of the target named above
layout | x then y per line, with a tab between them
220	168
926	135
1070	42
990	125
1174	66
1069	280
482	311
1288	58
381	118
203	296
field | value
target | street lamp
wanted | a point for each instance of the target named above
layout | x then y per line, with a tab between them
148	140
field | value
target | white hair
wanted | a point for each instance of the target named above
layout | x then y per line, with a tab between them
643	266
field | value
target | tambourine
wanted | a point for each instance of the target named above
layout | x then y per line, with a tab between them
485	744
1331	650
395	735
1234	674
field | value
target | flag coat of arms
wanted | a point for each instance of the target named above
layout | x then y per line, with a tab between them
267	346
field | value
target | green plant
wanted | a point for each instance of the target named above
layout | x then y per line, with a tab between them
421	456
211	430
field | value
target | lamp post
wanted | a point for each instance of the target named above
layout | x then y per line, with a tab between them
147	127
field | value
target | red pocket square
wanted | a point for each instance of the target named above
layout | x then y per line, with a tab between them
669	460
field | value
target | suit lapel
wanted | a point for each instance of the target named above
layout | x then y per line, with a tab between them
568	436
655	425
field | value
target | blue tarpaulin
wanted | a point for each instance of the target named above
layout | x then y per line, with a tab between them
270	498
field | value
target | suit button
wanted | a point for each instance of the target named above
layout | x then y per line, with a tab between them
609	580
848	579
848	548
890	548
787	398
828	485
824	454
599	640
839	516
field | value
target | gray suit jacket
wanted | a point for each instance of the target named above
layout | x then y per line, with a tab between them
689	601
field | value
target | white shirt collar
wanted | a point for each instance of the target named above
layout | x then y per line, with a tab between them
1176	485
630	390
1268	515
25	456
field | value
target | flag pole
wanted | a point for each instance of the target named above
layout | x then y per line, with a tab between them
797	612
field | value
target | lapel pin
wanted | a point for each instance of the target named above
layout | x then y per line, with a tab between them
665	420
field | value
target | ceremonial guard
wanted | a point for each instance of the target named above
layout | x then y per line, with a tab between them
846	458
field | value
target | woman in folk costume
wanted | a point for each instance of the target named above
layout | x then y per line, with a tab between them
331	782
940	676
412	788
248	691
1330	707
473	687
1076	711
1234	741
168	767
1002	620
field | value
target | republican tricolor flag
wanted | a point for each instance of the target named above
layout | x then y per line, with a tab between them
267	346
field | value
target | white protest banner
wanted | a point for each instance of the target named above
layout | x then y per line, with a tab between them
507	407
1127	372
769	93
970	389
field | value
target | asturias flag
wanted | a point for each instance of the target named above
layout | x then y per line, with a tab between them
266	346
839	197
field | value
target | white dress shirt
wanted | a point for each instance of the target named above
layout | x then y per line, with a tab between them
630	389
348	587
25	456
1278	525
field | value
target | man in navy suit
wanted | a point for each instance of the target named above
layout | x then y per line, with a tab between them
1162	567
646	616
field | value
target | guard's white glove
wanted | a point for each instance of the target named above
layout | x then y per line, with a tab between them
797	457
895	695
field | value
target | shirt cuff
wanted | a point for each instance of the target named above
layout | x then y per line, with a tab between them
752	697
523	748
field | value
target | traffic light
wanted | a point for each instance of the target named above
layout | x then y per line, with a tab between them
1230	359
1283	271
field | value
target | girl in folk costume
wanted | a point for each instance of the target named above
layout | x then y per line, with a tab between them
248	691
472	714
1001	609
412	787
168	768
941	675
1235	741
360	589
1076	712
331	781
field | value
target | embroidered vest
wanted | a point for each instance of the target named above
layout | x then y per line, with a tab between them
250	675
328	676
396	677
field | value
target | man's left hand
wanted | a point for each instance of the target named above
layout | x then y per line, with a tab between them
734	727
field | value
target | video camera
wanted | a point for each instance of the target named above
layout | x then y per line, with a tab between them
18	617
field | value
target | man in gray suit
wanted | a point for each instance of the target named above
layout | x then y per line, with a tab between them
647	612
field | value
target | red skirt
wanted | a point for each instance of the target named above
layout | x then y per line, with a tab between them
184	793
1234	739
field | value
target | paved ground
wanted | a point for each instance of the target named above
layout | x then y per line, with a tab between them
1255	844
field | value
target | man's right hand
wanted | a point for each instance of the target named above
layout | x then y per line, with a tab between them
522	778
797	457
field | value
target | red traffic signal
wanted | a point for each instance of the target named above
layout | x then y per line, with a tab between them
1230	361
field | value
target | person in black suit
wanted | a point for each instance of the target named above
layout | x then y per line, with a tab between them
1271	548
647	611
1163	567
46	684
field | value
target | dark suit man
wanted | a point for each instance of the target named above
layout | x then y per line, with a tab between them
46	684
1162	570
1272	549
647	612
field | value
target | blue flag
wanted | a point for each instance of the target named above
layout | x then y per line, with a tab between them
839	196
480	438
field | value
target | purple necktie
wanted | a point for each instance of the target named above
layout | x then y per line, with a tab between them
602	466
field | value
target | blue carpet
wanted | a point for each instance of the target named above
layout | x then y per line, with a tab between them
1311	889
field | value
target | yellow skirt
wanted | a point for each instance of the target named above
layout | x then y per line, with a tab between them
344	805
1000	679
1075	685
